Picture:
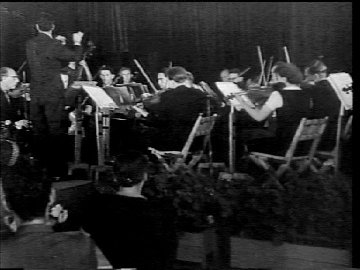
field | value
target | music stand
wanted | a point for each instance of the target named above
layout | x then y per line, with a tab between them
104	104
228	90
120	95
342	85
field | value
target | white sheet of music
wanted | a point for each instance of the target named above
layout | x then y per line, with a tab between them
228	89
99	96
342	84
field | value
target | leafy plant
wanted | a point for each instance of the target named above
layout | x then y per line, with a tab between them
311	208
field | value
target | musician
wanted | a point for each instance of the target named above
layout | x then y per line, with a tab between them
125	76
324	102
234	76
162	79
290	104
175	114
224	75
12	108
45	55
190	82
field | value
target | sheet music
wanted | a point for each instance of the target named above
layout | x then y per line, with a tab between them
99	96
342	85
228	89
120	95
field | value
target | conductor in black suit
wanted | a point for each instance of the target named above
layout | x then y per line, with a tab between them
46	56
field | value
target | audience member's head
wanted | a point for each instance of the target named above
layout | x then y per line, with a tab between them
131	169
125	74
106	75
162	79
224	75
8	78
287	73
27	192
45	22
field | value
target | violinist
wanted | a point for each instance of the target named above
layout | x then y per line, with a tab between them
124	76
177	110
224	75
324	102
12	104
163	83
162	79
235	77
190	82
290	104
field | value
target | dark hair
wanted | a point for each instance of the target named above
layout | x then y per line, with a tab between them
178	74
45	21
129	168
4	71
235	70
164	70
26	190
104	67
316	66
288	70
124	68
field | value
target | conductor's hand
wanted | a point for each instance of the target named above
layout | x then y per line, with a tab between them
77	37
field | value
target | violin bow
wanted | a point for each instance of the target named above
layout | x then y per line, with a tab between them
262	65
269	70
287	57
145	75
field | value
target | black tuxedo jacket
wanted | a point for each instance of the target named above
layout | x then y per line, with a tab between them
45	57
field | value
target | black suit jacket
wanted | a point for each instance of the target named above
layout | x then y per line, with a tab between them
175	116
12	109
45	56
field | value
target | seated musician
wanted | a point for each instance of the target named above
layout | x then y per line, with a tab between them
290	104
89	148
224	75
12	114
190	82
175	114
234	76
162	79
125	76
324	102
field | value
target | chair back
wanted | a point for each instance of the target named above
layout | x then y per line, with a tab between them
308	130
202	127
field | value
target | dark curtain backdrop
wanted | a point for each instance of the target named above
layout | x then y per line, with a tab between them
204	37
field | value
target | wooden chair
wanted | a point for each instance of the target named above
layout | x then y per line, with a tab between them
328	159
174	159
308	130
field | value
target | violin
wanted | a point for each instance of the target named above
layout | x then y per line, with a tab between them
20	90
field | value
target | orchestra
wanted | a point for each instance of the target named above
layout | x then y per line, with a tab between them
137	118
63	116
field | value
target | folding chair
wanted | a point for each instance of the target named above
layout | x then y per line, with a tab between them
174	159
308	130
326	159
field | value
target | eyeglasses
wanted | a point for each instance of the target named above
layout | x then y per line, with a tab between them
13	76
